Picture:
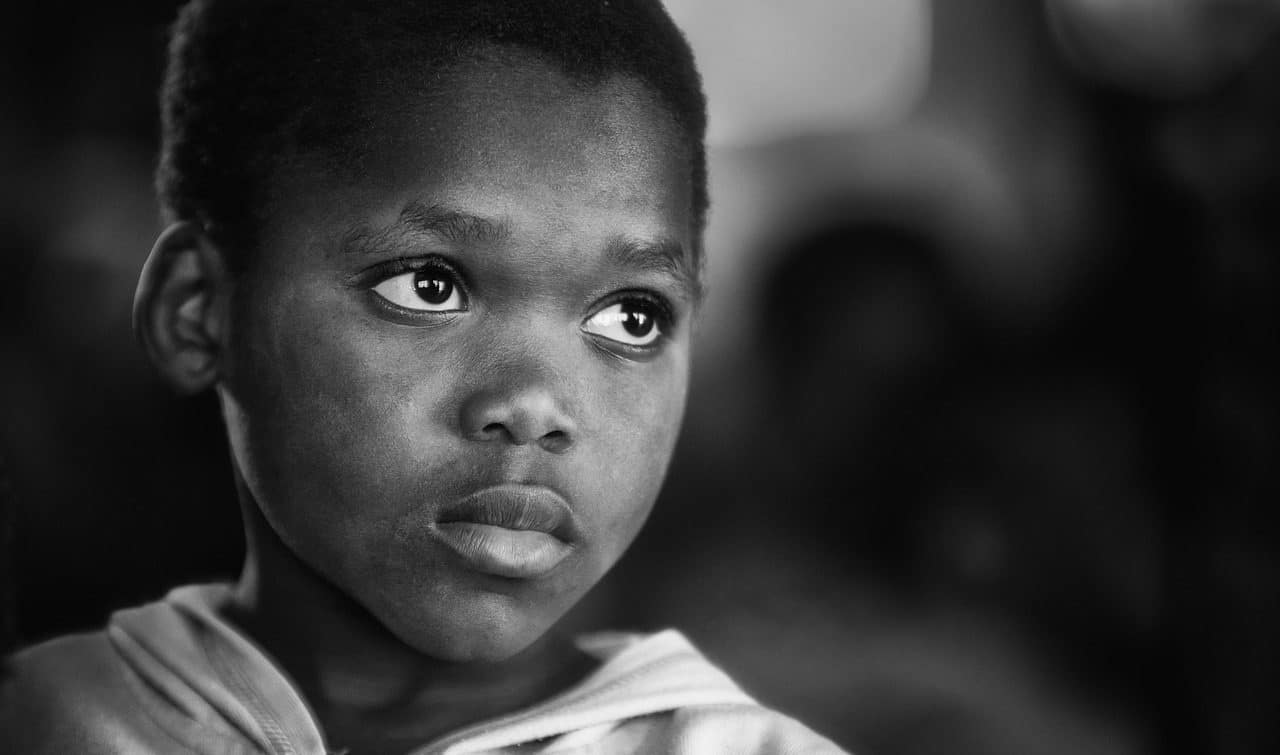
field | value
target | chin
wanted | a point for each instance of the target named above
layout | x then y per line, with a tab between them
484	629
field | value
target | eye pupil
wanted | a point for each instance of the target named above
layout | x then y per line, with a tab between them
637	322
432	287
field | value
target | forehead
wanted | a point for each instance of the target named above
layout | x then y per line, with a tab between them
508	135
510	100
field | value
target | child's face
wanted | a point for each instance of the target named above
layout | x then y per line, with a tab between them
498	305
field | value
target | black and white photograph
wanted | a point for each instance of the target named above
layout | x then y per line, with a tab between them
686	377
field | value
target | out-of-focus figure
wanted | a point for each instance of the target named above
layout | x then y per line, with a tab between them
1170	48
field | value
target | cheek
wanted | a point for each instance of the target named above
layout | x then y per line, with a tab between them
342	424
639	422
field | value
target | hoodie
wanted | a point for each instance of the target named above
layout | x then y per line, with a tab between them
173	676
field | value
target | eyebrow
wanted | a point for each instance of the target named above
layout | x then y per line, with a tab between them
663	256
448	224
453	225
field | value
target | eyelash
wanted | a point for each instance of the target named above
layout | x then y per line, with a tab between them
400	265
666	321
375	275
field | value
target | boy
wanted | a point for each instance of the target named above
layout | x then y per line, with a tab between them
438	260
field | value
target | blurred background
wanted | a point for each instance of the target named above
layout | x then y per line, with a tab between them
984	420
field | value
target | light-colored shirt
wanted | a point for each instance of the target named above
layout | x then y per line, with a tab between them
173	676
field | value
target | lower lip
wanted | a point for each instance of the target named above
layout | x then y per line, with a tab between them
504	552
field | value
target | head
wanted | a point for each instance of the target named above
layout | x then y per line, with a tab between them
439	261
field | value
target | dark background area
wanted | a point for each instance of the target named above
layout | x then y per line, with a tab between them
983	429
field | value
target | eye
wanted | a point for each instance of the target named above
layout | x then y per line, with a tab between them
633	321
431	289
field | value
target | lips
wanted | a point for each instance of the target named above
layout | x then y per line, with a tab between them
515	531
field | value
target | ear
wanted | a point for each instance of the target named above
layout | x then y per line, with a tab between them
180	308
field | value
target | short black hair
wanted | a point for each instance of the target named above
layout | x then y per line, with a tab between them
252	83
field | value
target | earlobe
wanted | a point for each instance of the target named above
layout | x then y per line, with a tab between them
180	307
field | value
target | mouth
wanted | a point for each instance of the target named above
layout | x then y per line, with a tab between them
510	530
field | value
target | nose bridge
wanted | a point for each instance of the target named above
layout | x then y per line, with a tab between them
521	393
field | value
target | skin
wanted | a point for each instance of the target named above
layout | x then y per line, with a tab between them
353	423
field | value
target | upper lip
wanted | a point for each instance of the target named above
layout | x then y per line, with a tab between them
516	506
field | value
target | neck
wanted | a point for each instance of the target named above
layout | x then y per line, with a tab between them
369	690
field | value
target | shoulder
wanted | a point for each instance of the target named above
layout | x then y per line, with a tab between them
50	692
64	671
71	694
742	729
663	695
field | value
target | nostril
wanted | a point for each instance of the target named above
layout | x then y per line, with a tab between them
556	441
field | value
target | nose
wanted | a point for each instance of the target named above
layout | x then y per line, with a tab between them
520	409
